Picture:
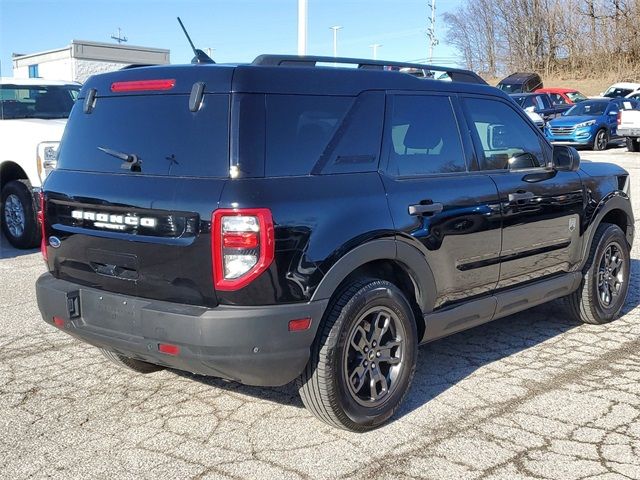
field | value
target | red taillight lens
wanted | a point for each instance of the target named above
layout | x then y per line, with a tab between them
143	85
242	246
299	325
41	220
619	117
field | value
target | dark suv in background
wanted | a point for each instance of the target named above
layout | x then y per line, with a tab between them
520	83
282	221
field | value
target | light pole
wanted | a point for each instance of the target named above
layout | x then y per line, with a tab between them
375	47
335	29
302	26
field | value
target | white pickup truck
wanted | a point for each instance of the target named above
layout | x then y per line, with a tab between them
629	127
33	114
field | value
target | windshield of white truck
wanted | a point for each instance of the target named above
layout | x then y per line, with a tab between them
37	101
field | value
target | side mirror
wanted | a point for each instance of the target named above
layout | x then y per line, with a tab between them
565	158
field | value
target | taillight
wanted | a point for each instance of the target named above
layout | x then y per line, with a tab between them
619	117
41	220
242	246
143	85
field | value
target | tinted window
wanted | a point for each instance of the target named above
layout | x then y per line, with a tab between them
20	101
557	99
506	139
356	145
160	130
298	130
424	136
614	92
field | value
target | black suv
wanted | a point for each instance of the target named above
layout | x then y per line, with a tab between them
520	83
284	220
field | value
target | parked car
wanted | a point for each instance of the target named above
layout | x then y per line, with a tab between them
563	96
265	224
520	83
629	127
592	123
621	89
539	103
33	114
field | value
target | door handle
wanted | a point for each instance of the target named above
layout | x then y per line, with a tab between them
515	197
427	209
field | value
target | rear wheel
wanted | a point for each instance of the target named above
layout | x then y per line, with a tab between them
364	358
633	144
19	222
601	140
604	288
130	363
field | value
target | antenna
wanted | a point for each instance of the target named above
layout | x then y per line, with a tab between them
119	37
431	31
200	56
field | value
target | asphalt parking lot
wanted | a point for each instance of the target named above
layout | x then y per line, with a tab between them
533	395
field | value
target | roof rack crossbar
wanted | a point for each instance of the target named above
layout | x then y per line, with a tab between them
456	74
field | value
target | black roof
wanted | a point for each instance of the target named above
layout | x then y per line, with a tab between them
519	77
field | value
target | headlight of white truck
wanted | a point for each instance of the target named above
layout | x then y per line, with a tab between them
47	158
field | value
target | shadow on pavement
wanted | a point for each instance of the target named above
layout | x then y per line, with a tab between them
8	251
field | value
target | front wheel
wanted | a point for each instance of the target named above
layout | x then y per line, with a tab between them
364	358
604	288
19	222
601	140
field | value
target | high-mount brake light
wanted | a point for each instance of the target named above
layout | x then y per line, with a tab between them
143	85
242	246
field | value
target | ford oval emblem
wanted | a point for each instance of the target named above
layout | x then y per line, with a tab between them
54	242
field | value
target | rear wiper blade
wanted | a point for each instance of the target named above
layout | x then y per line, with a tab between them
131	161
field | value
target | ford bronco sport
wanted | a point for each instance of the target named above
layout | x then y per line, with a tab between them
284	220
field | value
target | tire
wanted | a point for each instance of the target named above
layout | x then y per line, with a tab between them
601	140
345	348
18	215
633	144
588	303
129	363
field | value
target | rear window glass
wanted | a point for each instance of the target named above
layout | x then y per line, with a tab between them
298	129
32	101
159	130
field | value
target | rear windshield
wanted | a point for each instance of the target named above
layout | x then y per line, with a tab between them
159	131
33	101
510	87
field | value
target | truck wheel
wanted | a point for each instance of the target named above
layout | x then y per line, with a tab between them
601	140
126	362
633	144
363	359
605	284
19	222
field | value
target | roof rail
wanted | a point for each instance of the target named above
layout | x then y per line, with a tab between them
456	74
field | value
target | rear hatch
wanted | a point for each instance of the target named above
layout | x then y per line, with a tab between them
141	166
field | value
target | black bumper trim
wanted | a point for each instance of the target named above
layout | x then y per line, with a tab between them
251	345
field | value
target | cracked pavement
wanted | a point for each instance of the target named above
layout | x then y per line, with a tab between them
533	395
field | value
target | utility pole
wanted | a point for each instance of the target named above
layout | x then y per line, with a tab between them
302	26
431	31
119	37
375	47
335	29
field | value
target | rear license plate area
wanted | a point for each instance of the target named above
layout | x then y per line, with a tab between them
111	312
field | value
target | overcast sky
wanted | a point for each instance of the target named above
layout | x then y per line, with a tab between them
237	30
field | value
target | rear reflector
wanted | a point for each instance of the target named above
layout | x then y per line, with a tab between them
299	324
143	85
58	322
168	348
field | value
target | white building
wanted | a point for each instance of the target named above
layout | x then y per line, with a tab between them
82	59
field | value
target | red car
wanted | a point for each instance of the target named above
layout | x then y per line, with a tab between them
563	96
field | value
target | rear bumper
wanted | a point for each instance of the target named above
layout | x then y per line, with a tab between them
251	345
628	132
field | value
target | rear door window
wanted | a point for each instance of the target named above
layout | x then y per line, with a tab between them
159	130
425	138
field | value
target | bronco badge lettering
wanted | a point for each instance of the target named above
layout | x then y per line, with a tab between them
114	221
